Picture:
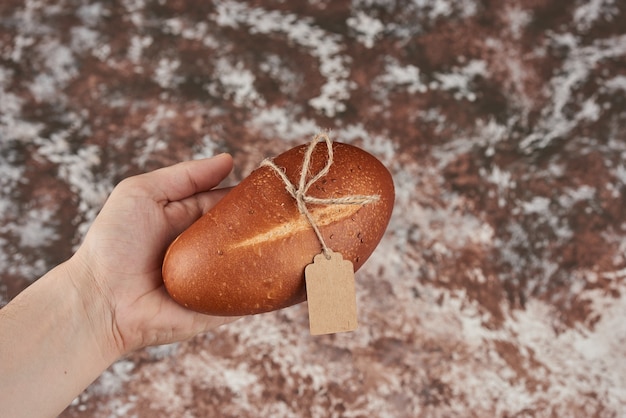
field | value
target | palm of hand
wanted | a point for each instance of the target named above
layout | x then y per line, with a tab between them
126	245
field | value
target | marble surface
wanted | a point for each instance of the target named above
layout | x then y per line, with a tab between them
499	288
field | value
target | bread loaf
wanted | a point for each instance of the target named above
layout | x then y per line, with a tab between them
247	255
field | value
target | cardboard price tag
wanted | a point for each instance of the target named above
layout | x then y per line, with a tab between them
331	294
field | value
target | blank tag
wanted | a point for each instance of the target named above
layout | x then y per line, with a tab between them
331	295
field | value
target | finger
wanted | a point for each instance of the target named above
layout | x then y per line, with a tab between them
205	201
184	212
185	179
208	322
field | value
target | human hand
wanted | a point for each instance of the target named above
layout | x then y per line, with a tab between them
123	252
108	299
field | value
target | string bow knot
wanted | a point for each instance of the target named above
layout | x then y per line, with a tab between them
299	193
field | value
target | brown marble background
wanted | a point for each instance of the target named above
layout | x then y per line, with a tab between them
500	286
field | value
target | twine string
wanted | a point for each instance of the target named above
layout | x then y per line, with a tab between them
299	193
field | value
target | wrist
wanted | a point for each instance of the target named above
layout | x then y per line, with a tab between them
53	342
93	307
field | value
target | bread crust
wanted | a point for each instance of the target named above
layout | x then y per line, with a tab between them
247	255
